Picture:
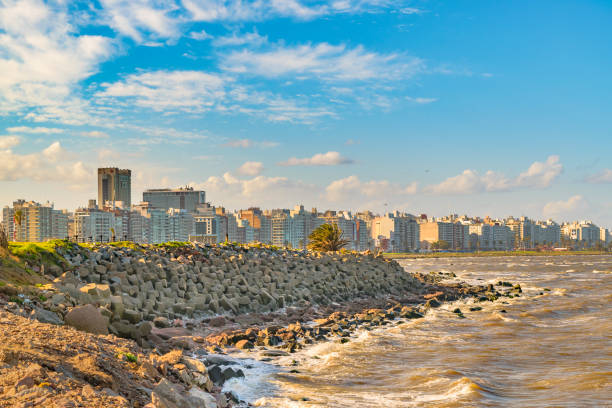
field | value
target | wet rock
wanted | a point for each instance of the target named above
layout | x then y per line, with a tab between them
432	303
245	345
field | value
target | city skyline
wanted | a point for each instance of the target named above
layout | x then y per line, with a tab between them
419	106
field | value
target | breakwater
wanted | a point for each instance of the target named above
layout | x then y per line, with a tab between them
131	285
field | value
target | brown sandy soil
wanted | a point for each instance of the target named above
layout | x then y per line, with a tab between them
43	365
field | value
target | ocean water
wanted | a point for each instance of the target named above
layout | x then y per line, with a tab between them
552	347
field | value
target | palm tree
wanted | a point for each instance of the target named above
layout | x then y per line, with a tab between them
18	218
3	238
326	237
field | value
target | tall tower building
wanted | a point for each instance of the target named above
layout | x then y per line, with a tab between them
114	185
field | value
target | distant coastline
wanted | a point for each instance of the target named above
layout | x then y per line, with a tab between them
410	255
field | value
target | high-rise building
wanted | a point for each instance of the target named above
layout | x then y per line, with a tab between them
28	221
114	185
185	198
400	231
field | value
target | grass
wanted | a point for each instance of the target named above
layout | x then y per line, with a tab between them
130	357
483	254
172	244
127	244
41	252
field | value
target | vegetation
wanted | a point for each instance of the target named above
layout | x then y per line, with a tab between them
131	357
41	252
440	246
127	244
327	237
3	238
173	244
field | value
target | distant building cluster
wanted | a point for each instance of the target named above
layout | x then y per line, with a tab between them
182	214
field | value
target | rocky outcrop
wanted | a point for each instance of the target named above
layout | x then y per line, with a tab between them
46	365
131	285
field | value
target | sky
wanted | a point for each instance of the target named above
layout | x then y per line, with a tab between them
472	107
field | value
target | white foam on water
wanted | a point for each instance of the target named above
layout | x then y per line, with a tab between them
257	381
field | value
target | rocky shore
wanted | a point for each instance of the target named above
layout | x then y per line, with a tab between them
152	321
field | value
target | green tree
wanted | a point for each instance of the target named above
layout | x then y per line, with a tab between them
440	245
327	237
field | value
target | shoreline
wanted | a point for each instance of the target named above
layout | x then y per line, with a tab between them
228	300
491	254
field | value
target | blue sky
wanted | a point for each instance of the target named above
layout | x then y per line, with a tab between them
479	107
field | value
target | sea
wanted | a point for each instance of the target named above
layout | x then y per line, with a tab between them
551	347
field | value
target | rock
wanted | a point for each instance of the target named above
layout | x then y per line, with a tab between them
274	353
144	329
195	365
433	302
218	321
132	316
229	373
46	316
161	322
87	318
202	399
245	345
168	395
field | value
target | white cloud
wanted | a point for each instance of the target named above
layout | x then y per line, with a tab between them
42	58
539	175
142	20
250	10
574	207
273	107
251	168
351	190
248	143
324	61
34	130
188	91
51	164
6	142
200	35
240	39
198	92
604	176
420	100
411	10
95	134
319	159
267	192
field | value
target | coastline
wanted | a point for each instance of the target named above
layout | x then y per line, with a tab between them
309	298
485	254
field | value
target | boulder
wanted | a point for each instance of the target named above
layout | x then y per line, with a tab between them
244	345
201	399
166	394
46	316
87	318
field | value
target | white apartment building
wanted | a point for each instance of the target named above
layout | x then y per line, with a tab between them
29	221
402	231
93	225
583	232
